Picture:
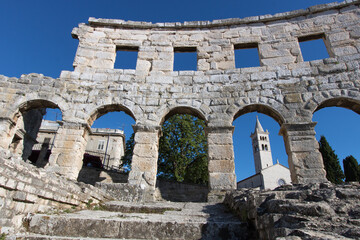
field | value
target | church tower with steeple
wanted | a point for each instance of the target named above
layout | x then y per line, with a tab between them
261	147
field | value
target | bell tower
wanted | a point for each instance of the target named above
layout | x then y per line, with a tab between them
261	147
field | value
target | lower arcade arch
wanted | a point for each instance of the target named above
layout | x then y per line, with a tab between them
35	127
337	123
260	159
109	133
183	156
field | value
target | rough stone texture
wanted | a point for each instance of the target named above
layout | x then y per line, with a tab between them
91	175
127	192
283	87
114	183
316	211
180	192
141	221
26	189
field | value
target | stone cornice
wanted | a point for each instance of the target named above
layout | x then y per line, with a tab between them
118	23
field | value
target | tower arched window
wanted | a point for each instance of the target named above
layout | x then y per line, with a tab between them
266	147
262	147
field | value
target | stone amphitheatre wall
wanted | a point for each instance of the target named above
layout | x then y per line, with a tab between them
26	189
284	87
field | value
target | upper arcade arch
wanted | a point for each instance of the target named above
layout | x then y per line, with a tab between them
102	110
261	108
182	110
344	102
35	103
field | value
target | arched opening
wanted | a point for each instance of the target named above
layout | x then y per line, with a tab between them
107	140
260	155
36	128
182	163
338	122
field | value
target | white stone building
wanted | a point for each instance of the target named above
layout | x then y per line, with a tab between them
268	175
104	145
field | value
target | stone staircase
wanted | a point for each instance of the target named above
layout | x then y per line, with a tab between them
125	220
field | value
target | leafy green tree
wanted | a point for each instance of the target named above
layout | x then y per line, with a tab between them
331	162
183	150
351	169
127	158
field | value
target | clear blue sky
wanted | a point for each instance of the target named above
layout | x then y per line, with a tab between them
35	37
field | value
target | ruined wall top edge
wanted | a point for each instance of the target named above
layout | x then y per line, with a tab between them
222	22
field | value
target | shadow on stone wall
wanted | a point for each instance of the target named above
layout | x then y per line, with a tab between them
91	175
180	192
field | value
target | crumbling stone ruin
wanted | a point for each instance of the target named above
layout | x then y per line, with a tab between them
284	87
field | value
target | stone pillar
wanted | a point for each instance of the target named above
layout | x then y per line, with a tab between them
305	160
144	162
68	150
41	160
7	131
32	122
221	158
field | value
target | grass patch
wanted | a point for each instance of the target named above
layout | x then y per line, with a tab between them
88	204
3	236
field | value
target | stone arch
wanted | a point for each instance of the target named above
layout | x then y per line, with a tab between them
261	108
27	118
344	102
194	112
182	110
251	151
35	103
102	110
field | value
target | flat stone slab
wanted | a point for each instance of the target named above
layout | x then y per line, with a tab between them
184	221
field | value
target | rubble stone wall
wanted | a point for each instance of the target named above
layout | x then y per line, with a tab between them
313	211
26	189
284	86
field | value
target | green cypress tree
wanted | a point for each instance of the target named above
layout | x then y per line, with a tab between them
331	162
351	169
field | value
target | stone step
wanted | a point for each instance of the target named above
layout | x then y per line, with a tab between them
181	221
48	237
129	207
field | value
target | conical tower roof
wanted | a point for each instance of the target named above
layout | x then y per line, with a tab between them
258	126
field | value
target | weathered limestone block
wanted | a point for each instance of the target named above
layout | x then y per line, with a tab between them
221	158
69	148
7	131
144	162
305	160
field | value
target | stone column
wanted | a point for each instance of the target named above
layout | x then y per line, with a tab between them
144	162
41	160
221	158
68	150
7	131
305	160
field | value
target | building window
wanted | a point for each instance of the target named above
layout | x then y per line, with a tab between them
101	145
281	182
266	147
